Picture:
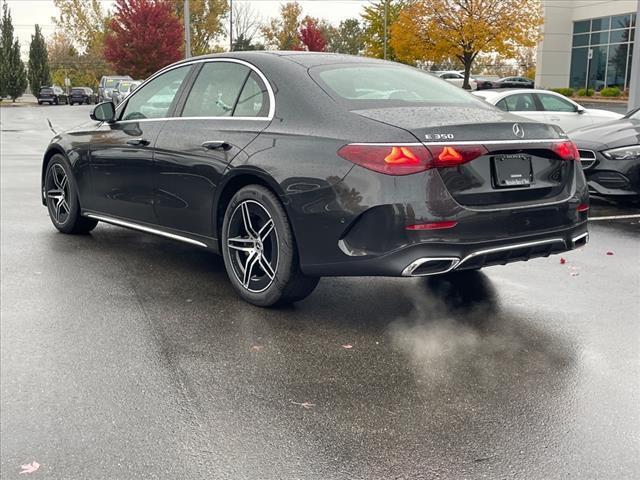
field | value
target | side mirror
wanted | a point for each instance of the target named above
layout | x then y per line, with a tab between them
581	110
104	112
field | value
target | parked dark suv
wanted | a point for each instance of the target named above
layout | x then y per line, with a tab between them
52	95
82	95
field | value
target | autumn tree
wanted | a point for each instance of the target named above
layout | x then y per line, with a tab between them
435	29
38	74
83	24
143	36
348	37
206	21
373	19
84	21
282	32
311	36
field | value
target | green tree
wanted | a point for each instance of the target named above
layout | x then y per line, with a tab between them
16	74
206	20
347	38
436	29
6	44
282	32
39	73
373	19
13	76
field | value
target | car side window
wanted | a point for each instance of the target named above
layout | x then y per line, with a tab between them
551	103
155	99
502	105
216	90
254	99
521	102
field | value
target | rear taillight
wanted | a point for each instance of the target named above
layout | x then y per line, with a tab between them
452	156
389	159
566	150
583	207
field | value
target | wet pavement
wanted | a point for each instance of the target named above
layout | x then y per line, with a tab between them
129	356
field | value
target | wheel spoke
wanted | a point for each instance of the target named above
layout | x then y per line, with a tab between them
241	244
55	194
266	267
246	219
64	182
56	212
252	259
63	203
266	230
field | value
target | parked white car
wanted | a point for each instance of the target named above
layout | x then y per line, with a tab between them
456	78
547	106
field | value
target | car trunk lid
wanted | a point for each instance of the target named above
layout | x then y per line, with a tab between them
519	166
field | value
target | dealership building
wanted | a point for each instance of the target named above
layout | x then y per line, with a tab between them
588	41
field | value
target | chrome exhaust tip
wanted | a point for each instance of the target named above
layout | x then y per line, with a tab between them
580	240
425	266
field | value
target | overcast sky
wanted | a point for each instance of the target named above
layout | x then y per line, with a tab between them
26	13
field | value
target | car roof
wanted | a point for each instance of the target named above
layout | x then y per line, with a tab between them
303	58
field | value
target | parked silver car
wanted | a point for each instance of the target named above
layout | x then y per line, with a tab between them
123	89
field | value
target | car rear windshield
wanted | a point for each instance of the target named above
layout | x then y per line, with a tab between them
78	90
387	85
111	82
124	86
46	90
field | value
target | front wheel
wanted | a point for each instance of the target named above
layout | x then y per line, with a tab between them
259	250
62	198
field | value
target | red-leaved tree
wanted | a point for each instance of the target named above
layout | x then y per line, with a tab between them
142	37
311	35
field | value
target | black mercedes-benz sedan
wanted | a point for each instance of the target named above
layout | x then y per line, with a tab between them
610	156
297	165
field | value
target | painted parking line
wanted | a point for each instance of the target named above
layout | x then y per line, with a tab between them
613	217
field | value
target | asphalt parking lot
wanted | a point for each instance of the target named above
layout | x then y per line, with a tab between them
129	356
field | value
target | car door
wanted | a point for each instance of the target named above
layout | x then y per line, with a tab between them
453	78
227	106
523	104
122	151
560	111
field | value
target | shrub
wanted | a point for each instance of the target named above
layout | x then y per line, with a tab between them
584	93
610	92
567	92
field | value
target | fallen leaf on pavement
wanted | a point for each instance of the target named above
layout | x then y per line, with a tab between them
306	405
256	348
30	467
574	274
347	346
562	261
609	253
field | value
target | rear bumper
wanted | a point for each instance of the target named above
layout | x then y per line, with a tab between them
437	258
357	227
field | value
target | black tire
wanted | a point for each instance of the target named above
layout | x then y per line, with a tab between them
62	198
55	101
277	248
71	104
39	102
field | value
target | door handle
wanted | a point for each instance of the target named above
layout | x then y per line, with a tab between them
216	145
138	142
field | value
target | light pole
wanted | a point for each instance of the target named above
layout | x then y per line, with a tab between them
187	30
386	3
231	25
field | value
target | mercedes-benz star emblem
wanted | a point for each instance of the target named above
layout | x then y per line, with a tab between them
518	131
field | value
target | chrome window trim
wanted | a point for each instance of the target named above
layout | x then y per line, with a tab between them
461	142
143	228
272	98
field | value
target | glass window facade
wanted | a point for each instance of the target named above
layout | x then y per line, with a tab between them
611	40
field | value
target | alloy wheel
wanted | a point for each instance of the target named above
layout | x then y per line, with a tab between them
252	243
58	193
